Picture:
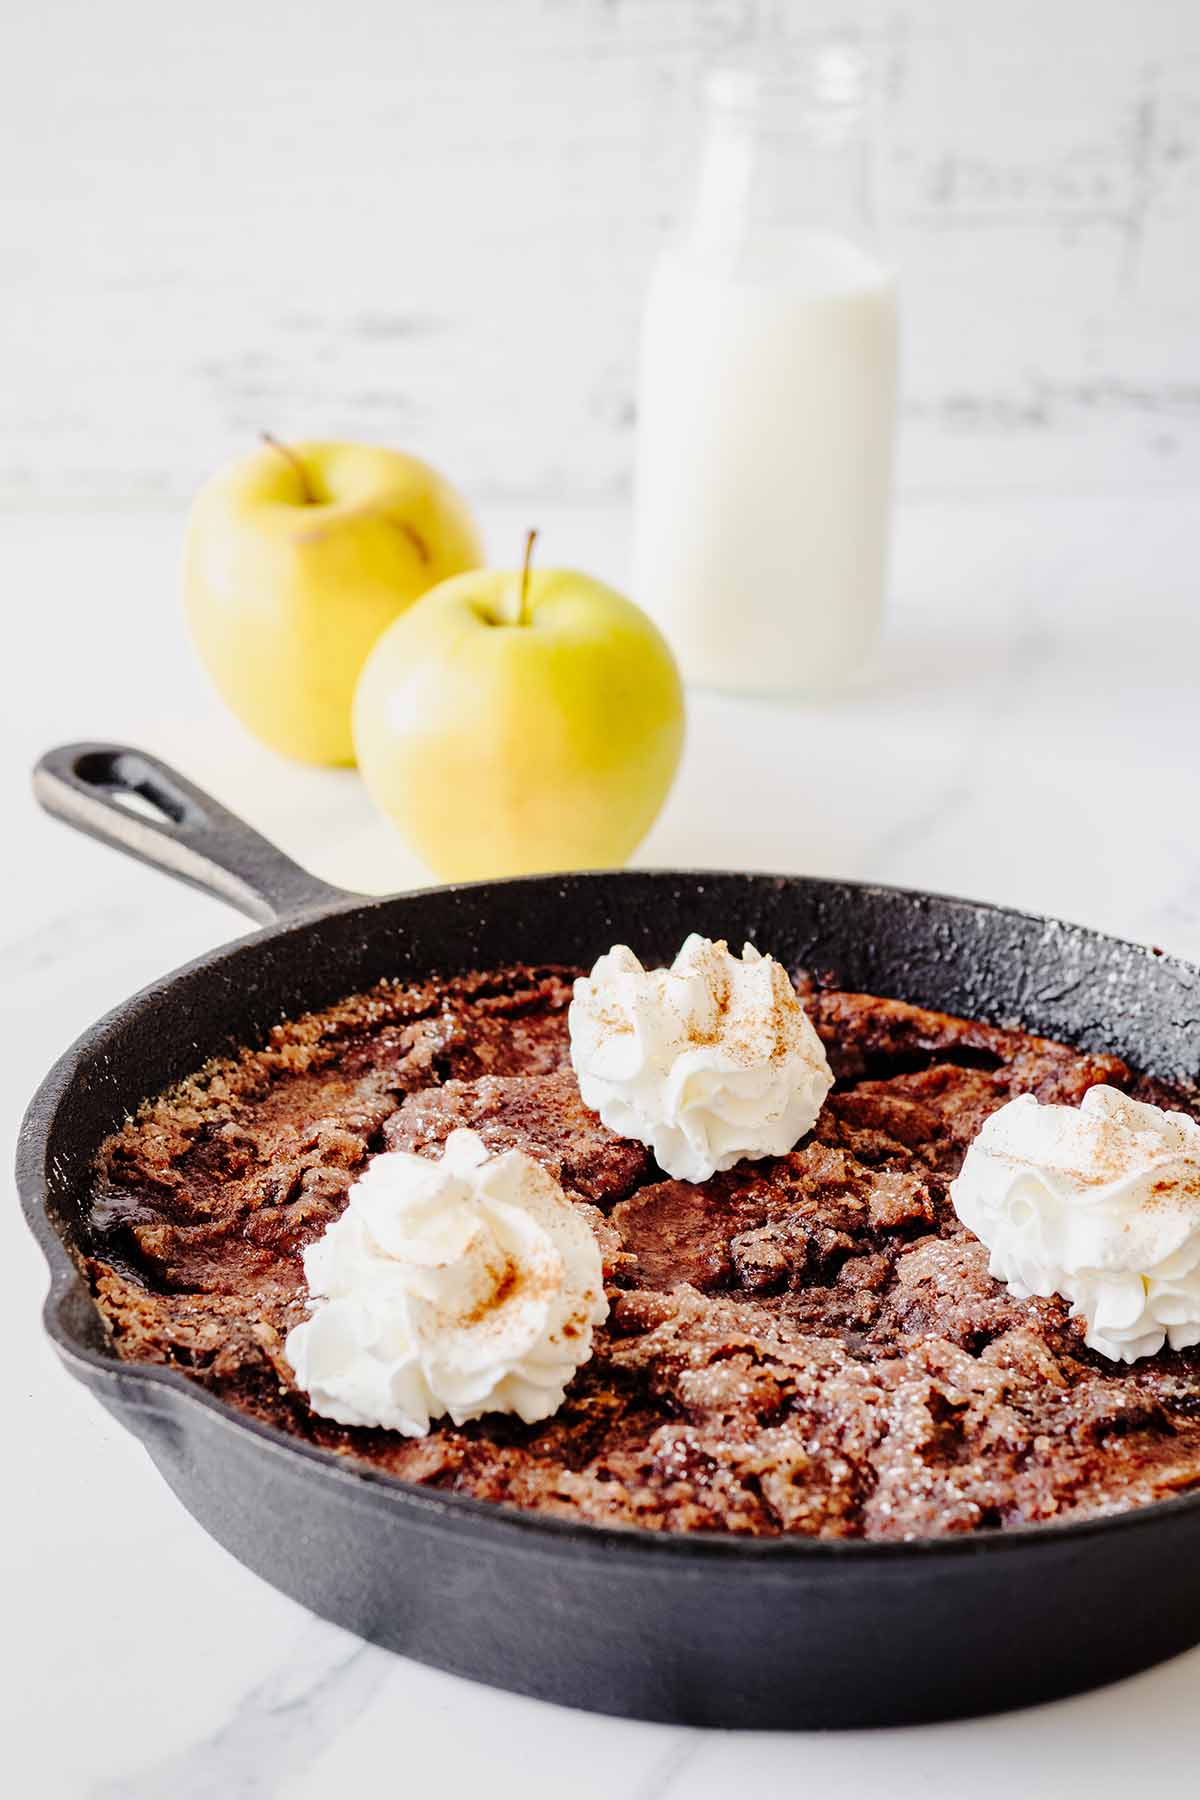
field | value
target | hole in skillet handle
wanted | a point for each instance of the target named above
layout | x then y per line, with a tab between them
136	786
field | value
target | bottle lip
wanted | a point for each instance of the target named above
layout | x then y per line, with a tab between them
827	78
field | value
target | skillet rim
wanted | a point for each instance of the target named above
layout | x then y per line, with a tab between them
169	1389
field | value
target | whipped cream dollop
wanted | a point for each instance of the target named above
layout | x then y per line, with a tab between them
711	1062
464	1286
1099	1203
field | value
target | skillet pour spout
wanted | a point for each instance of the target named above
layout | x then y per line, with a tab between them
711	1630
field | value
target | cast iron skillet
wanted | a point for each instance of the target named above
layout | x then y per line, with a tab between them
703	1630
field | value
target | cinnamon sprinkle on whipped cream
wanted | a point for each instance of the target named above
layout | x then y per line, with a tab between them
1099	1203
461	1286
710	1062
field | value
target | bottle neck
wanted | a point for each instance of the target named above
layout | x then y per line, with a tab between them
784	156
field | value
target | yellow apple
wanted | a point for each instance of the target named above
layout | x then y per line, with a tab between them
297	558
510	724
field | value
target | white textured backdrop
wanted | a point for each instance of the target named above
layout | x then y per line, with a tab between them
432	224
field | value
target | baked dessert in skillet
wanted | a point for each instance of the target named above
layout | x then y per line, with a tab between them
808	1342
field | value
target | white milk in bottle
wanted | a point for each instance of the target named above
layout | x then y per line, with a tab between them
767	394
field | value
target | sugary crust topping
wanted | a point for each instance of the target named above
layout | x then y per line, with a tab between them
811	1343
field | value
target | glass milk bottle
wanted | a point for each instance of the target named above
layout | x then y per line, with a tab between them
767	393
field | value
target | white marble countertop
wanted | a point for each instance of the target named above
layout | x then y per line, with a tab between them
1032	735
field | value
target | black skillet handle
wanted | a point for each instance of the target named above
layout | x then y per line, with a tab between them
174	826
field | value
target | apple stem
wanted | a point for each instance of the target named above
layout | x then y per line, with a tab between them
531	538
306	487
